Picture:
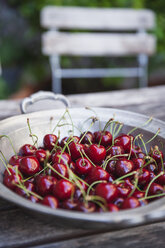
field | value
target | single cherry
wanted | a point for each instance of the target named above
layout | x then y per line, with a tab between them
123	167
50	140
63	189
50	201
108	191
27	150
29	165
96	153
83	166
103	138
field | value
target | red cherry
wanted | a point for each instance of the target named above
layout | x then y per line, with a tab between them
61	157
103	138
27	150
70	204
96	153
44	184
41	155
138	162
115	150
108	191
118	201
10	181
88	138
111	166
63	189
61	169
29	166
124	141
112	207
76	150
123	189
15	160
12	170
29	186
155	189
156	154
131	202
143	177
33	199
134	150
65	140
88	207
123	167
50	140
97	174
50	201
138	194
83	166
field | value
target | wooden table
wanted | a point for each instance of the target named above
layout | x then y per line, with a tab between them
19	229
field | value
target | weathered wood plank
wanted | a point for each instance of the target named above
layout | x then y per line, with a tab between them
92	44
18	229
96	18
145	237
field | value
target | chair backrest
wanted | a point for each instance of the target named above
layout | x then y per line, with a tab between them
115	32
97	19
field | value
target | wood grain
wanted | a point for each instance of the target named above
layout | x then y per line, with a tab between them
144	237
96	18
95	44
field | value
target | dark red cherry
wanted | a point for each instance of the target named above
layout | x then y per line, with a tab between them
124	141
138	163
41	155
140	155
112	207
63	189
128	182
83	166
27	150
76	150
123	167
44	185
88	207
29	165
61	170
72	166
87	138
115	150
108	191
97	174
29	186
111	165
138	194
118	201
131	202
103	138
134	150
33	199
156	154
96	153
155	189
68	140
70	204
123	190
50	201
143	177
50	140
12	169
15	160
10	181
61	157
161	180
152	167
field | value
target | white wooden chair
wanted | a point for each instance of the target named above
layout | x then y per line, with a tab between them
124	34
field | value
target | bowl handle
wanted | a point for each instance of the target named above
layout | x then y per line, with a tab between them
42	95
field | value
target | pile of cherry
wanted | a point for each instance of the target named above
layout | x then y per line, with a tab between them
91	173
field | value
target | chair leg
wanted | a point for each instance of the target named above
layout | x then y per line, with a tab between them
56	74
143	66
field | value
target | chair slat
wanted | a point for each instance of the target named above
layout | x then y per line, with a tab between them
96	18
95	44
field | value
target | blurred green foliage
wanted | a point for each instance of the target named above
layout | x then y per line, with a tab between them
24	50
